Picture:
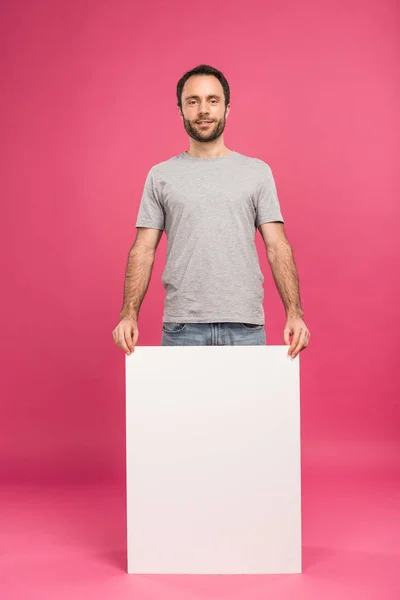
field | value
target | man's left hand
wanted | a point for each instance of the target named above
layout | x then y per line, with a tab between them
296	327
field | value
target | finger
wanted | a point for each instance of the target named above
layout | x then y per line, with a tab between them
135	335
308	335
295	341
128	334
300	345
121	341
286	336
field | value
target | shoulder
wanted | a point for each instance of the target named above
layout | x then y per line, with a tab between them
165	166
255	164
161	172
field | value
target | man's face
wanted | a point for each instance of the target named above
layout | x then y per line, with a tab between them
203	100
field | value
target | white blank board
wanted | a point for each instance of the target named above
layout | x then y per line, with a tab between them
213	460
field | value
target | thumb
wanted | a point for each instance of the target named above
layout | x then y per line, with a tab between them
135	335
130	338
286	335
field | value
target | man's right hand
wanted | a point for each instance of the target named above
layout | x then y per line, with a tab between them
126	335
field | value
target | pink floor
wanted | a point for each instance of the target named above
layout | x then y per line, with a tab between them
68	542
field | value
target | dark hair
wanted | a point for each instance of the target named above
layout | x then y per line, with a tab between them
203	70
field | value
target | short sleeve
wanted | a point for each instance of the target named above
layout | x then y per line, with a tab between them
266	198
151	211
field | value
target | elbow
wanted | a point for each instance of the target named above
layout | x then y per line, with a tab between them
279	250
146	253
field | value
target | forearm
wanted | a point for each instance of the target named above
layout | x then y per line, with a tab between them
137	279
285	276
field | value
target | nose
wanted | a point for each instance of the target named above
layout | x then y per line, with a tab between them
203	109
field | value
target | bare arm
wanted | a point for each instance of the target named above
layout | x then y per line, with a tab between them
138	271
283	267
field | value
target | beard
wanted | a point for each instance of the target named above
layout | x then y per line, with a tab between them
205	135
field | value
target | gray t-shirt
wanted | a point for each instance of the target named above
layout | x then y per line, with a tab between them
210	209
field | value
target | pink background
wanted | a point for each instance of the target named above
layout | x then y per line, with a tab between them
88	105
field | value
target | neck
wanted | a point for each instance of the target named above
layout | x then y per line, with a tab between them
204	150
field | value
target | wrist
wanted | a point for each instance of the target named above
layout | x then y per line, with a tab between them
295	314
128	314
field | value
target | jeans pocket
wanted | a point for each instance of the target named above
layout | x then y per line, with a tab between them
173	327
252	326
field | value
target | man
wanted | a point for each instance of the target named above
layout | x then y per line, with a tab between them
210	200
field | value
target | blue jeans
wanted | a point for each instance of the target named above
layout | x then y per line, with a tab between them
213	334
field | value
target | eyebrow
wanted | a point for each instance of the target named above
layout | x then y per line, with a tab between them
208	97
